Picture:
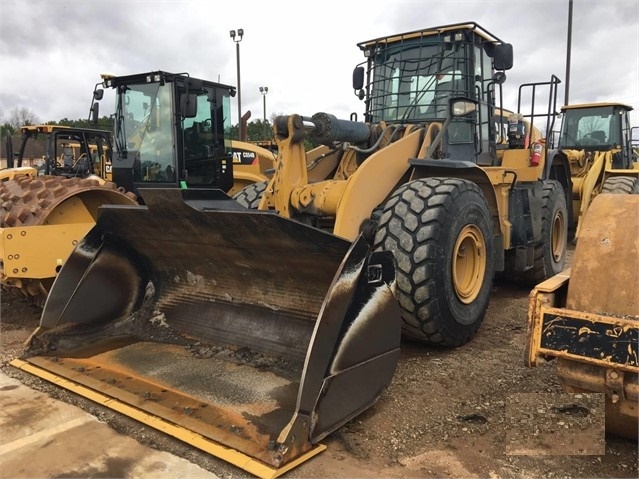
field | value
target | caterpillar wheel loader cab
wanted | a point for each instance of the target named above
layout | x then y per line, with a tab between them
586	319
596	140
169	131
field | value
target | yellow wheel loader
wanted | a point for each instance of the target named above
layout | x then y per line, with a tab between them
253	328
596	139
587	318
428	177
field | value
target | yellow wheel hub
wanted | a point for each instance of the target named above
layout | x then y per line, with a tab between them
469	263
558	238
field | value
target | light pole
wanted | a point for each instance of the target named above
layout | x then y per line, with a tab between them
237	38
264	91
568	48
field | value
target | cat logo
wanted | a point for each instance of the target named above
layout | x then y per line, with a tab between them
244	157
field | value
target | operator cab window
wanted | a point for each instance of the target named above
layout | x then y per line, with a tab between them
148	130
591	127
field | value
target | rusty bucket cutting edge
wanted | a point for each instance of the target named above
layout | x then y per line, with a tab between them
231	456
256	332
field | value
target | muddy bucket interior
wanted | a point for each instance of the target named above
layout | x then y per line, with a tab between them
249	330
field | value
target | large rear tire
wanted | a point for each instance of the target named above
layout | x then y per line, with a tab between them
441	234
621	185
550	252
251	195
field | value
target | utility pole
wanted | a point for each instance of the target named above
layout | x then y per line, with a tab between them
568	48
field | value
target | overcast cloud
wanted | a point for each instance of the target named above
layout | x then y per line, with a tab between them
52	52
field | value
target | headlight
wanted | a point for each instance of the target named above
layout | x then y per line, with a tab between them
462	108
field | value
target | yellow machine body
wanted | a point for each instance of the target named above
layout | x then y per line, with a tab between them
252	163
587	317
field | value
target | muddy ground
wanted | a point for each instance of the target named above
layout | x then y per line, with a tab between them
476	411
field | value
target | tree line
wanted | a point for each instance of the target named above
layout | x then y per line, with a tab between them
257	130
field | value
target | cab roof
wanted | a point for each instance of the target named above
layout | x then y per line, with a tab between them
470	26
577	106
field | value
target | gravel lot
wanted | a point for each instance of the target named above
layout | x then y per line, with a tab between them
476	411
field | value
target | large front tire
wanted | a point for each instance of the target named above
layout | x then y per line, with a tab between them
251	195
441	234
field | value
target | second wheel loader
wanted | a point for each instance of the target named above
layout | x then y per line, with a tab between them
253	332
596	139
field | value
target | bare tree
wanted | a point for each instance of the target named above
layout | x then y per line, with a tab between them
22	116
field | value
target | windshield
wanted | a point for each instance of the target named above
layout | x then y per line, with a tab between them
415	83
143	128
595	126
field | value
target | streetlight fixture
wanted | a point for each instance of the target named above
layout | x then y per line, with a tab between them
236	36
264	91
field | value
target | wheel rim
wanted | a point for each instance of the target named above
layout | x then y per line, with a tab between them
558	235
469	263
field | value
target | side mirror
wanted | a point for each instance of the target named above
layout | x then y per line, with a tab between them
95	113
503	56
358	78
188	105
98	94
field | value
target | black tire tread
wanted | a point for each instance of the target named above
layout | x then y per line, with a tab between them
413	221
250	195
552	191
621	185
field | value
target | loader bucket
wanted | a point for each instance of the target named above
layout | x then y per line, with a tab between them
253	335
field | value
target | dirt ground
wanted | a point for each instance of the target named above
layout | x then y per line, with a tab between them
475	411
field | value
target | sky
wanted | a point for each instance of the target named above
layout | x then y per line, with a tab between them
52	52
